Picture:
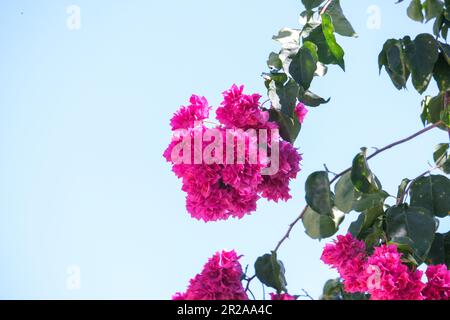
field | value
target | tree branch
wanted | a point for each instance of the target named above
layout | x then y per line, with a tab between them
389	146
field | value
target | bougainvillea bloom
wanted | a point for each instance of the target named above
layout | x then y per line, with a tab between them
220	279
438	285
391	279
239	110
276	187
301	112
217	188
187	116
282	296
348	256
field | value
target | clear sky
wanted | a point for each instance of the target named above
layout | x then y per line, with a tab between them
84	189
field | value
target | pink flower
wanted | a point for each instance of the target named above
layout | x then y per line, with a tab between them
220	279
186	117
239	110
390	279
301	112
438	285
348	256
276	187
282	296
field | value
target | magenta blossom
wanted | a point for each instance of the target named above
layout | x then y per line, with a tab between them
281	296
301	112
438	285
220	279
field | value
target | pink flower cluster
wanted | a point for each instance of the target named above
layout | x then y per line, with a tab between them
220	279
217	191
438	285
281	296
383	274
348	255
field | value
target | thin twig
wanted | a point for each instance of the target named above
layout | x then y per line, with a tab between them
291	226
247	287
389	146
401	199
306	294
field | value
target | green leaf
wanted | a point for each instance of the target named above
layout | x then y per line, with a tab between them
365	221
304	65
341	25
328	32
289	126
332	290
432	107
445	49
441	73
344	193
415	11
437	253
402	187
316	36
274	61
318	194
392	57
283	98
433	8
270	272
421	56
279	78
311	99
411	226
362	177
366	201
320	226
311	4
442	158
398	71
432	193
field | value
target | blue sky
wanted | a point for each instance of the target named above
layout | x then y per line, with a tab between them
84	119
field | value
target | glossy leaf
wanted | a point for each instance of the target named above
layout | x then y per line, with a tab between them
304	65
415	11
433	193
344	193
320	226
369	200
362	177
270	271
411	226
341	25
328	32
441	73
421	56
442	158
311	99
318	193
433	8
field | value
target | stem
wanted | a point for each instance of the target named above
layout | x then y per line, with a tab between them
247	287
389	146
325	7
401	199
291	226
